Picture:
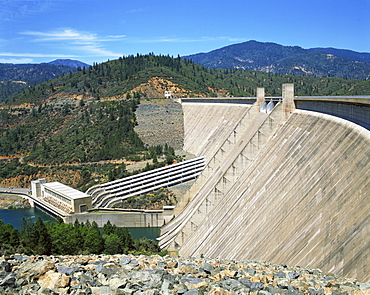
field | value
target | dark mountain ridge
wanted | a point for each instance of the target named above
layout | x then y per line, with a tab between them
69	63
33	73
345	53
284	60
15	78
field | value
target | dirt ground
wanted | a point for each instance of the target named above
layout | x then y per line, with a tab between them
14	200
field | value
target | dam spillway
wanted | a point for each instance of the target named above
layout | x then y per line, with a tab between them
291	186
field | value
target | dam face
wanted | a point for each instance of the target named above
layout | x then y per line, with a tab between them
284	185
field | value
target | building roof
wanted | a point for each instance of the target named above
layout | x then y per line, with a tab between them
65	190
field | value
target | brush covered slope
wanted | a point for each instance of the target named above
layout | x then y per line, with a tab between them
15	78
65	142
292	60
150	76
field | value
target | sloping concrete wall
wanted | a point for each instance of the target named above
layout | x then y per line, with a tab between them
222	171
207	125
304	200
289	187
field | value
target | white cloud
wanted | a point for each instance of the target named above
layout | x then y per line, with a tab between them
84	42
96	50
114	37
36	55
134	10
16	60
63	34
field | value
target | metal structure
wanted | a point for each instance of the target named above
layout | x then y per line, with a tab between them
107	194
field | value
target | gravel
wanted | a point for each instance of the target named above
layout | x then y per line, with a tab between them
160	121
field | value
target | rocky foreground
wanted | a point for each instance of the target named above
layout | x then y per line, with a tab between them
127	274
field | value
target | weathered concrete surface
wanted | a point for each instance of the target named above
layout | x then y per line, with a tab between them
123	219
302	196
206	126
304	201
223	169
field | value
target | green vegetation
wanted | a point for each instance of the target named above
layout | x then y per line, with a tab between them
104	131
10	88
59	238
13	168
285	60
70	133
17	78
49	136
155	200
77	125
119	78
75	138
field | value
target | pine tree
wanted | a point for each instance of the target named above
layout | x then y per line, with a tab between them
93	240
113	244
28	236
107	229
8	234
44	244
125	238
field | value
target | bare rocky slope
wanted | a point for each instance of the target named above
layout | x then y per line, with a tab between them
160	121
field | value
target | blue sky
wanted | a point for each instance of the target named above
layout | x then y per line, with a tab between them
34	31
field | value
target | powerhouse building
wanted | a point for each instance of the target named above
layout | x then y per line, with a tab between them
60	196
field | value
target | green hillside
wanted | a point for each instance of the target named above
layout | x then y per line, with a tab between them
79	128
149	76
15	78
285	60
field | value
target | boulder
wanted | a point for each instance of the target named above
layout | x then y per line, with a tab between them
5	266
9	280
124	260
55	281
116	274
31	271
219	291
65	269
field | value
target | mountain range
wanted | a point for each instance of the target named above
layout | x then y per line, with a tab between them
69	63
345	53
15	78
287	60
149	76
251	55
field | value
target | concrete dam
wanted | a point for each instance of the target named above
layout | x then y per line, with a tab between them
286	180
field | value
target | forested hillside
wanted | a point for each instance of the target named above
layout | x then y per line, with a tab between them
149	76
286	60
15	78
348	54
79	128
70	133
72	142
69	63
